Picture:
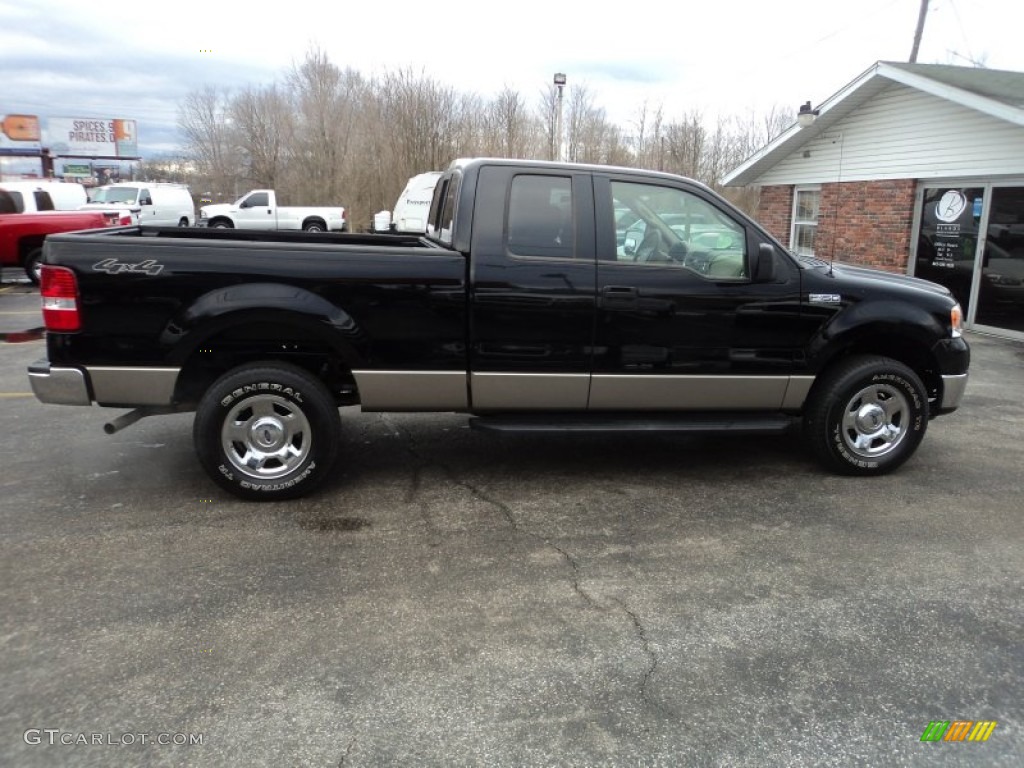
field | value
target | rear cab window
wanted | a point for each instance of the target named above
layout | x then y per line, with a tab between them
540	217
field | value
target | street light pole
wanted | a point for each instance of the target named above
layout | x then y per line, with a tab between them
560	83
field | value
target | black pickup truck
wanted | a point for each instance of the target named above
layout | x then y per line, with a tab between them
544	296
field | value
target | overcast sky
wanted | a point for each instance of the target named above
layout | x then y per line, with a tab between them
138	60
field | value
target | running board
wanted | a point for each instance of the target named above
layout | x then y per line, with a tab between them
699	423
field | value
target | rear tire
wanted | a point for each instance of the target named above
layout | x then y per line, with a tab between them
34	265
314	226
267	431
867	416
182	222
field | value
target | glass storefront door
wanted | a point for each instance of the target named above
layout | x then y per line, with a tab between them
947	240
1001	288
988	282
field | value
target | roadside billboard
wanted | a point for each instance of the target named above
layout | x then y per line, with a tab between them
92	137
19	135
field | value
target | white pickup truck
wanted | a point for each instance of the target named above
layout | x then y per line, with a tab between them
258	209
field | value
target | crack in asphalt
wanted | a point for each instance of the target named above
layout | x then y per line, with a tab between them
347	752
570	561
645	645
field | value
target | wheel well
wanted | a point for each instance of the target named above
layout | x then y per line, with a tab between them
257	342
28	244
313	220
221	220
907	351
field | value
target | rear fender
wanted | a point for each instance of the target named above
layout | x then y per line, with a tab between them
310	316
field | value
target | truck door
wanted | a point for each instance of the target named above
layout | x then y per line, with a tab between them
681	322
532	289
256	212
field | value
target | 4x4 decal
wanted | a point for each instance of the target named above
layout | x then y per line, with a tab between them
115	267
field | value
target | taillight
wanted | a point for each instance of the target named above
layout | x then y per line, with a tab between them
58	289
116	219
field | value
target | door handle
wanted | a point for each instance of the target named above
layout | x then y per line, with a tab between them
619	297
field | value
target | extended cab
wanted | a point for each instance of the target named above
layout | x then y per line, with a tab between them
22	234
525	304
259	210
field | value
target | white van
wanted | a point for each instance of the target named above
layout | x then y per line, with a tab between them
153	204
44	195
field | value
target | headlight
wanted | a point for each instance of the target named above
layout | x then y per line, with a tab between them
956	321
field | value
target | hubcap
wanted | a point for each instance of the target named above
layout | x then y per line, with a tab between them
266	436
875	421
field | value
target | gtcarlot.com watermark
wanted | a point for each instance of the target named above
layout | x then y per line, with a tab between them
56	736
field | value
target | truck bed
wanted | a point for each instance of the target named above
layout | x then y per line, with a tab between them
156	305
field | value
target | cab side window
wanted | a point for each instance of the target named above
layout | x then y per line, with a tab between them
258	200
11	202
540	217
671	227
43	200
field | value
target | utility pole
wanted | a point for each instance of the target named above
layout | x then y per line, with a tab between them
560	84
919	31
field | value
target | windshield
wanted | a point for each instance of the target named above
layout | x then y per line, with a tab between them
115	195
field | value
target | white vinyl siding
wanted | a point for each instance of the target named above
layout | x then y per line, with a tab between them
903	133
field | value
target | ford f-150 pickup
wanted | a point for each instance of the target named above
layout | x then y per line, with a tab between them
526	304
259	209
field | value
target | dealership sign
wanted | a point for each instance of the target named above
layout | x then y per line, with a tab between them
89	137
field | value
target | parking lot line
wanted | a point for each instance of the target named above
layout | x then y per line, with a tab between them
15	394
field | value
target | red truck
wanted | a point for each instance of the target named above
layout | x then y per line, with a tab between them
22	234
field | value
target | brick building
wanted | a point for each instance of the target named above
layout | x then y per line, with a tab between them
912	168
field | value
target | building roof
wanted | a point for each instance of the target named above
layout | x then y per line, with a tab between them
997	93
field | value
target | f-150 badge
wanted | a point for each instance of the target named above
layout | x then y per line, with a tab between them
825	298
115	267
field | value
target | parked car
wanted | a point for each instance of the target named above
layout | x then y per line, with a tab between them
153	204
514	307
259	209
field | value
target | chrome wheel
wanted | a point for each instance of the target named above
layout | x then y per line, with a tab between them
266	436
875	421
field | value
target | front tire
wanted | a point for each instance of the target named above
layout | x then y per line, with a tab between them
867	416
267	431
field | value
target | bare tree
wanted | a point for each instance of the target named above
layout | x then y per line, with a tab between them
327	101
510	124
264	130
209	138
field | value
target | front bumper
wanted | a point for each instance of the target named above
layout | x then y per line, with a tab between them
952	392
954	358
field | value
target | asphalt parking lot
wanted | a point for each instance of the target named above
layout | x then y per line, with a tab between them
456	598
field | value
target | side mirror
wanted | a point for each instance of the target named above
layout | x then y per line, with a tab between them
629	247
244	204
764	265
